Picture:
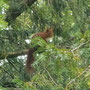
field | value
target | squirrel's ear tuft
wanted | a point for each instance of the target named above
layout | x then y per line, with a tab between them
52	28
47	30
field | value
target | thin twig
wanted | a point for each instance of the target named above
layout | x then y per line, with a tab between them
51	77
6	72
13	65
78	47
73	80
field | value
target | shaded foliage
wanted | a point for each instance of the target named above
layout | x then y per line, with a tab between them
61	64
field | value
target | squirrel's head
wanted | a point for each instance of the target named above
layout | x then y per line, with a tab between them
49	32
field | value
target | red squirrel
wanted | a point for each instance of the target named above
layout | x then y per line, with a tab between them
30	58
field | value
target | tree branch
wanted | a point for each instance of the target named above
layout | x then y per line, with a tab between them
17	53
13	54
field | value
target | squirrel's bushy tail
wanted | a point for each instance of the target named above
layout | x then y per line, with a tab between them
30	60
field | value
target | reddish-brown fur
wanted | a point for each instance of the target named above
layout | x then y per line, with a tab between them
30	58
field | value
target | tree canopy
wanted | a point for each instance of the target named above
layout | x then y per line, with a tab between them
61	64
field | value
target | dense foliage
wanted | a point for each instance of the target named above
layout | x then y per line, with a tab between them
61	64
